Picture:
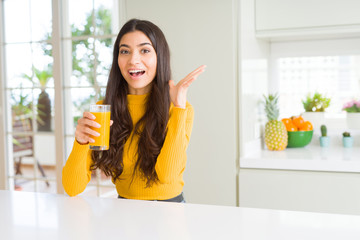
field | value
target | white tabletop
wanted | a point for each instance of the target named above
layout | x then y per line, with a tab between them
50	216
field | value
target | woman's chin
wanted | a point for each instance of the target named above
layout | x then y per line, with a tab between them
139	89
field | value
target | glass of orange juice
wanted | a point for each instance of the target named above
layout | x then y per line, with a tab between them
102	117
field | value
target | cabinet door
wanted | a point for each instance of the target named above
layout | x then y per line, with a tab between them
300	14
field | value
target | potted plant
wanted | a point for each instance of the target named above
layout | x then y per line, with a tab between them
316	103
314	106
347	140
352	109
324	139
44	104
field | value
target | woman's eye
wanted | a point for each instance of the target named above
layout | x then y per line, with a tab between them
145	51
124	51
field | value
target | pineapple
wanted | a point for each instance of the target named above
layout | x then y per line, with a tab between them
276	137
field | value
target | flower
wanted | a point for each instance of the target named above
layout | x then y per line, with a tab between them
352	106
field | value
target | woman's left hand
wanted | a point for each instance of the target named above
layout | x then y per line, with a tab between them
178	91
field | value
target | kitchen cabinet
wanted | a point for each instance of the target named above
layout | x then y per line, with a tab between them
297	190
283	18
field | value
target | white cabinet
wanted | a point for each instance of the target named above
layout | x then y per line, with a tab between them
284	18
300	190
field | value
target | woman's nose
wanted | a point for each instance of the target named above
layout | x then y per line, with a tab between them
135	58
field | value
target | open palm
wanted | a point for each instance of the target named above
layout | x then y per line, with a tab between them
178	92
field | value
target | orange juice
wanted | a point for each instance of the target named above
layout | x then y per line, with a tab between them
102	118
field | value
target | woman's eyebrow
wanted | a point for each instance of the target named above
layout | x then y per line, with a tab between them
144	43
139	45
124	45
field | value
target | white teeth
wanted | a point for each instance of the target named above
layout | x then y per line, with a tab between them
135	71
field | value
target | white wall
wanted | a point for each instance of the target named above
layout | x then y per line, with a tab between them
254	71
202	32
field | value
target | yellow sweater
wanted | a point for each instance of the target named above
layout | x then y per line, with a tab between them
169	167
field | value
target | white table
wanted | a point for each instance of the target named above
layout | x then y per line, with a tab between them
49	216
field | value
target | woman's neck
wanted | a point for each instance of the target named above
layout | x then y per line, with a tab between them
140	91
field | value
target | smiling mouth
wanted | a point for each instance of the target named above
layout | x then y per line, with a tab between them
136	73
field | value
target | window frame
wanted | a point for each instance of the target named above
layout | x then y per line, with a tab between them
3	152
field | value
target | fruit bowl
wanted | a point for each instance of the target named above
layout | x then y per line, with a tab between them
299	138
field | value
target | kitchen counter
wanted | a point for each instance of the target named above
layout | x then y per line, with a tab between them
311	158
25	215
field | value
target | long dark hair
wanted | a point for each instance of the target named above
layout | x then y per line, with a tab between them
151	128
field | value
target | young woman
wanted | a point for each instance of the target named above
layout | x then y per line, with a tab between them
151	122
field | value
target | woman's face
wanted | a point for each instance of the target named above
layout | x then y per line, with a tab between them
137	62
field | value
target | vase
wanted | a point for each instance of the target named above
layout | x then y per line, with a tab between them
348	142
324	141
353	120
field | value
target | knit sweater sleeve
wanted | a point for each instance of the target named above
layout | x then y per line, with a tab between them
172	158
76	173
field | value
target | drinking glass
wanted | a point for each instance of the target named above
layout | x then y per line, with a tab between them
102	117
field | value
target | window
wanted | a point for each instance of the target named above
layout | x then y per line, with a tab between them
89	34
89	28
330	67
29	89
335	76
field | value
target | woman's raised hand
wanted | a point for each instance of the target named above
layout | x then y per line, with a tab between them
178	91
83	130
